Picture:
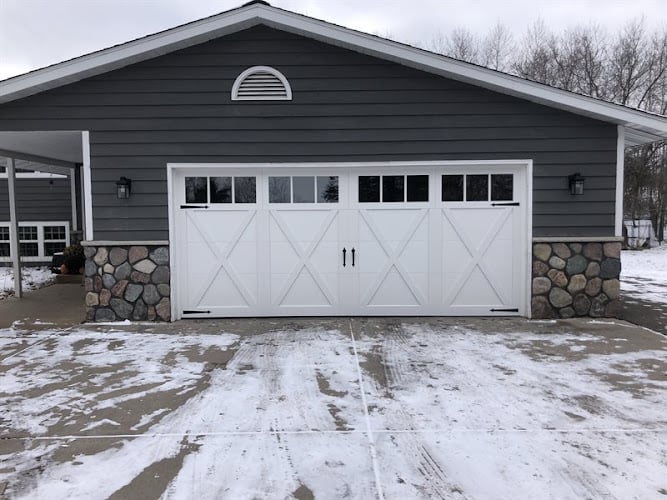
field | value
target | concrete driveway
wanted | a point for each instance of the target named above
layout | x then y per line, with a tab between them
335	408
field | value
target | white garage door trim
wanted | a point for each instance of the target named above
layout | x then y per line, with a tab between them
524	231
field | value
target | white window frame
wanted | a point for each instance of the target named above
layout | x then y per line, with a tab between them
41	257
255	69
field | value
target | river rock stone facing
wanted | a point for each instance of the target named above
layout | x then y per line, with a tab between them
127	282
576	279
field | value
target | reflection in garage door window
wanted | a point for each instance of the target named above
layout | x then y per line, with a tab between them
502	187
279	190
417	187
245	190
221	189
303	189
327	189
195	190
477	187
369	188
452	188
392	188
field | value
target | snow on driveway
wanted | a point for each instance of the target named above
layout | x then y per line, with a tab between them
644	274
360	409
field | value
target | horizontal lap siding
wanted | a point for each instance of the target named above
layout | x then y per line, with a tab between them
346	107
38	200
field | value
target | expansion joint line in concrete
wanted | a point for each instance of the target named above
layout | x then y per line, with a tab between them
195	434
369	428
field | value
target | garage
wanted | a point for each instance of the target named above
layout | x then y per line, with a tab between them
265	163
419	238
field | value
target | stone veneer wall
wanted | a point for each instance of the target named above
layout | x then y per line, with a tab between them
576	279
127	282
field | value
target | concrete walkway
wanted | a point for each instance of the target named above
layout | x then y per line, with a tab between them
59	305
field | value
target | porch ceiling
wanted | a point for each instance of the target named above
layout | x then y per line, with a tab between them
61	146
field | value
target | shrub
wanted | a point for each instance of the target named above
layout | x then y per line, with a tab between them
74	259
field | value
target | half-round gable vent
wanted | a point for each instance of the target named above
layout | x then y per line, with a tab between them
261	83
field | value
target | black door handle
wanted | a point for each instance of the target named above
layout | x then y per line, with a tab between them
344	252
353	257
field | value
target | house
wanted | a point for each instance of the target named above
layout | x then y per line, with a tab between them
47	203
264	163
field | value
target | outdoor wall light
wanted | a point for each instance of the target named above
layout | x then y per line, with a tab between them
123	188
576	183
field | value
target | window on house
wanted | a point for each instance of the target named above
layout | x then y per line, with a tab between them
228	189
303	189
478	187
392	188
38	241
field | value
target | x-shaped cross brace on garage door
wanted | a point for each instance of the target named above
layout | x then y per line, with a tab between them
222	257
304	258
393	258
476	254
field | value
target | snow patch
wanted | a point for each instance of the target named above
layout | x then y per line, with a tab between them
32	278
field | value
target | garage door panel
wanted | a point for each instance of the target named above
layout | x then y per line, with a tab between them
394	247
221	269
479	257
303	251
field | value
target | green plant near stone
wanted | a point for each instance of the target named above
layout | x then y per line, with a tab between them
73	259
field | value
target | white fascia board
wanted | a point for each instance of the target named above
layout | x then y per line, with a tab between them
245	17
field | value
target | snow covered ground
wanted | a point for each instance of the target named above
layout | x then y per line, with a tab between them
361	409
32	278
644	274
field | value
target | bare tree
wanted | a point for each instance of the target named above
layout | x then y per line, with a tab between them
629	68
460	44
497	48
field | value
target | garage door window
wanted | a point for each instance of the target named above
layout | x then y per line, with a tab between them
220	190
195	190
393	188
485	187
303	189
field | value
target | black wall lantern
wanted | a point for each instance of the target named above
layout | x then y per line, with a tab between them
123	188
576	183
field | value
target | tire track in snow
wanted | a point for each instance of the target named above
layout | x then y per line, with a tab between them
437	483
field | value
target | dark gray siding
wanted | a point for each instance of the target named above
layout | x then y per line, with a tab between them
346	106
38	200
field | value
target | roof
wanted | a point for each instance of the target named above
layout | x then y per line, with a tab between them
640	126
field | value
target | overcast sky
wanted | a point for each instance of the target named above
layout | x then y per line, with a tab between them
36	33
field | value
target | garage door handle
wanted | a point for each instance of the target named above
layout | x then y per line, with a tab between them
353	257
344	252
511	204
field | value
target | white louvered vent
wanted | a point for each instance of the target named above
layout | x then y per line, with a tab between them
261	83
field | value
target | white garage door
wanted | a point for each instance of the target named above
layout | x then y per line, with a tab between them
382	240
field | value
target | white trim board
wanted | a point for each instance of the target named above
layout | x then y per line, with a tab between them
641	126
620	173
87	187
